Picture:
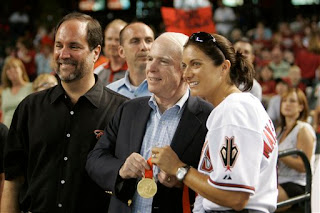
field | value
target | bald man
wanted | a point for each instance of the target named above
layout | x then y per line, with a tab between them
170	117
135	43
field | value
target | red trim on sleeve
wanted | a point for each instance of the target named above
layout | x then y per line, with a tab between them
232	185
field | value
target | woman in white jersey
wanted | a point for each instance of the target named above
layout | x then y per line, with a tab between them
294	132
237	169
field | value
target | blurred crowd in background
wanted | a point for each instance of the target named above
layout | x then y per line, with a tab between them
287	52
284	46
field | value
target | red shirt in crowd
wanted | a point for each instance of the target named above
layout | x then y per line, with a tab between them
308	63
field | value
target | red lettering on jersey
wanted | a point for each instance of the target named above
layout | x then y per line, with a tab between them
266	150
270	132
269	141
206	161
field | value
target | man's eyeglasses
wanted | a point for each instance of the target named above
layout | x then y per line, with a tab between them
202	37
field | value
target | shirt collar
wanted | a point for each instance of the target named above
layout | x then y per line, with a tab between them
127	82
57	92
94	94
153	103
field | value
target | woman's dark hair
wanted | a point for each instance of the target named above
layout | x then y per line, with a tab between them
218	48
94	31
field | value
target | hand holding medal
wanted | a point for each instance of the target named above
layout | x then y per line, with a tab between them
147	186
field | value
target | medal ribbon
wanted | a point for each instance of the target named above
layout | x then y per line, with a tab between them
149	172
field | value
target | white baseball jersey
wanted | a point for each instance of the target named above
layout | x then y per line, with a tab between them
240	153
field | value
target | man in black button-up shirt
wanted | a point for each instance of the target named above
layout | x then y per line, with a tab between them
52	131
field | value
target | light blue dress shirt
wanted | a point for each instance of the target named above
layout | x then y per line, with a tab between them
161	128
124	87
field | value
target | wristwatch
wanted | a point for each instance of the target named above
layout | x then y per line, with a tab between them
182	171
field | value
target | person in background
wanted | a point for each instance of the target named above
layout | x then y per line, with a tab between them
273	108
16	87
43	59
263	58
116	66
279	66
230	176
268	84
27	54
260	33
236	35
294	132
288	56
53	130
286	33
41	33
294	78
244	46
308	58
44	81
170	117
135	43
1	113
316	126
224	18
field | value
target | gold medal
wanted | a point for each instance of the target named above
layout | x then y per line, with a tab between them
147	187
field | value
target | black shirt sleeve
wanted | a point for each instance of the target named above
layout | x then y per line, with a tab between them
3	138
14	158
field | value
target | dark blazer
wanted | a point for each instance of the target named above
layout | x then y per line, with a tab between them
124	135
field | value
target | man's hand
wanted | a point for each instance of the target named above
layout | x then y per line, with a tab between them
134	167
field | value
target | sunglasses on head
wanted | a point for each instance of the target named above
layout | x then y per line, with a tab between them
202	37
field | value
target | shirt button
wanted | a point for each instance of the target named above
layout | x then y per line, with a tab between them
65	158
68	135
62	181
59	205
71	112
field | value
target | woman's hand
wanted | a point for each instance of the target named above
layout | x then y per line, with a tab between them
166	159
169	180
